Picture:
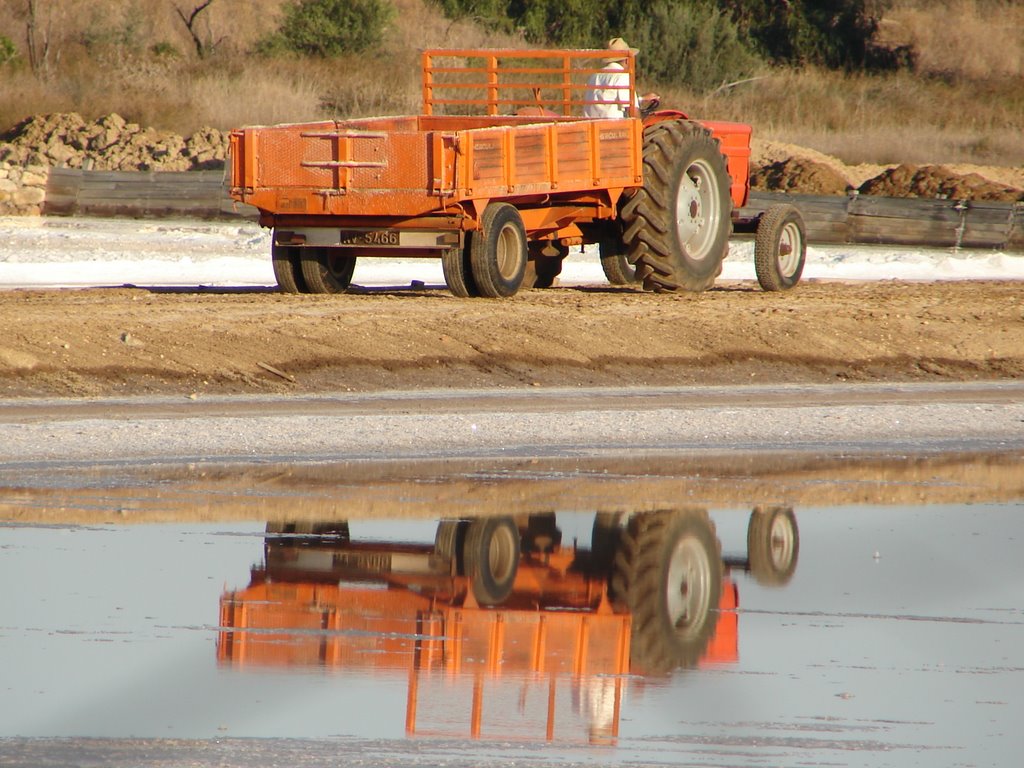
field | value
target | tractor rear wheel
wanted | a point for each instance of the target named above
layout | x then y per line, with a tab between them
676	226
327	270
288	269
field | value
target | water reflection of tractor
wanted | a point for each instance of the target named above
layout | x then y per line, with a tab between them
503	597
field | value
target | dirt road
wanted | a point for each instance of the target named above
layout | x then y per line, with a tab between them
133	341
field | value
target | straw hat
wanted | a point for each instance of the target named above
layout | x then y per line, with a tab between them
618	44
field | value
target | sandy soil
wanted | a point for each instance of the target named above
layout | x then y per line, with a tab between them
132	341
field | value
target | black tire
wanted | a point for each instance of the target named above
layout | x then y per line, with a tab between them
458	272
544	265
491	557
327	270
449	541
668	572
497	251
288	269
676	226
780	248
773	545
616	264
604	543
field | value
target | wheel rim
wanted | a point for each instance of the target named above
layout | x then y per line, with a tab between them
501	554
508	252
781	543
790	249
688	587
696	212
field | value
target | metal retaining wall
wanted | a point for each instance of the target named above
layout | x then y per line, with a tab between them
830	219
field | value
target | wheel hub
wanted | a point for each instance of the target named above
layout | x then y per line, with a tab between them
696	219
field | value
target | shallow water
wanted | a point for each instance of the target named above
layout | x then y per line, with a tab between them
880	634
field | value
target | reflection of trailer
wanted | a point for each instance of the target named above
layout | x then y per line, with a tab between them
650	596
449	651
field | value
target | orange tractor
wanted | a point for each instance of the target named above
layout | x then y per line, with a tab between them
501	175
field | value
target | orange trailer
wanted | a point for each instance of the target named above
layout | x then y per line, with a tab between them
498	177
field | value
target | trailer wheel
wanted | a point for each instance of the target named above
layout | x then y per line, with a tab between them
780	248
668	570
449	542
491	558
327	270
497	251
773	545
458	272
676	226
545	263
288	269
616	265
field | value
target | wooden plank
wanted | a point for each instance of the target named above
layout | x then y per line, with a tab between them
1015	240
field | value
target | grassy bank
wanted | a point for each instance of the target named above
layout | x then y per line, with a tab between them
962	102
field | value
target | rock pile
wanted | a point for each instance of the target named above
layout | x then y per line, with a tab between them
22	189
936	181
802	176
799	176
110	144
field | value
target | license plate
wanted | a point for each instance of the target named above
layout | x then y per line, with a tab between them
369	237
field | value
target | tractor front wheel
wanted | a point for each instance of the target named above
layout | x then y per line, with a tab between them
780	248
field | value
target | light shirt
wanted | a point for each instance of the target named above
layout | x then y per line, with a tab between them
610	85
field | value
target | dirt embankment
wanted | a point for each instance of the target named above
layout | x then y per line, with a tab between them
134	341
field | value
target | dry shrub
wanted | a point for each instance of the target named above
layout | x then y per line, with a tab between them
972	39
891	118
901	117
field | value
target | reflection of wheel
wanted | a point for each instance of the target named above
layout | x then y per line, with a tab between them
449	541
335	528
497	251
669	570
773	545
288	269
604	541
458	272
676	227
327	270
545	263
780	248
491	556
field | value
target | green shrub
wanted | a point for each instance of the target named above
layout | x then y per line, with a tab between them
327	28
694	45
8	52
835	33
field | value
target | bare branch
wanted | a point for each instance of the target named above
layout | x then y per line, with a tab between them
203	47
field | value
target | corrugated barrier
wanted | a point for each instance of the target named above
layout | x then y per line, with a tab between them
830	219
